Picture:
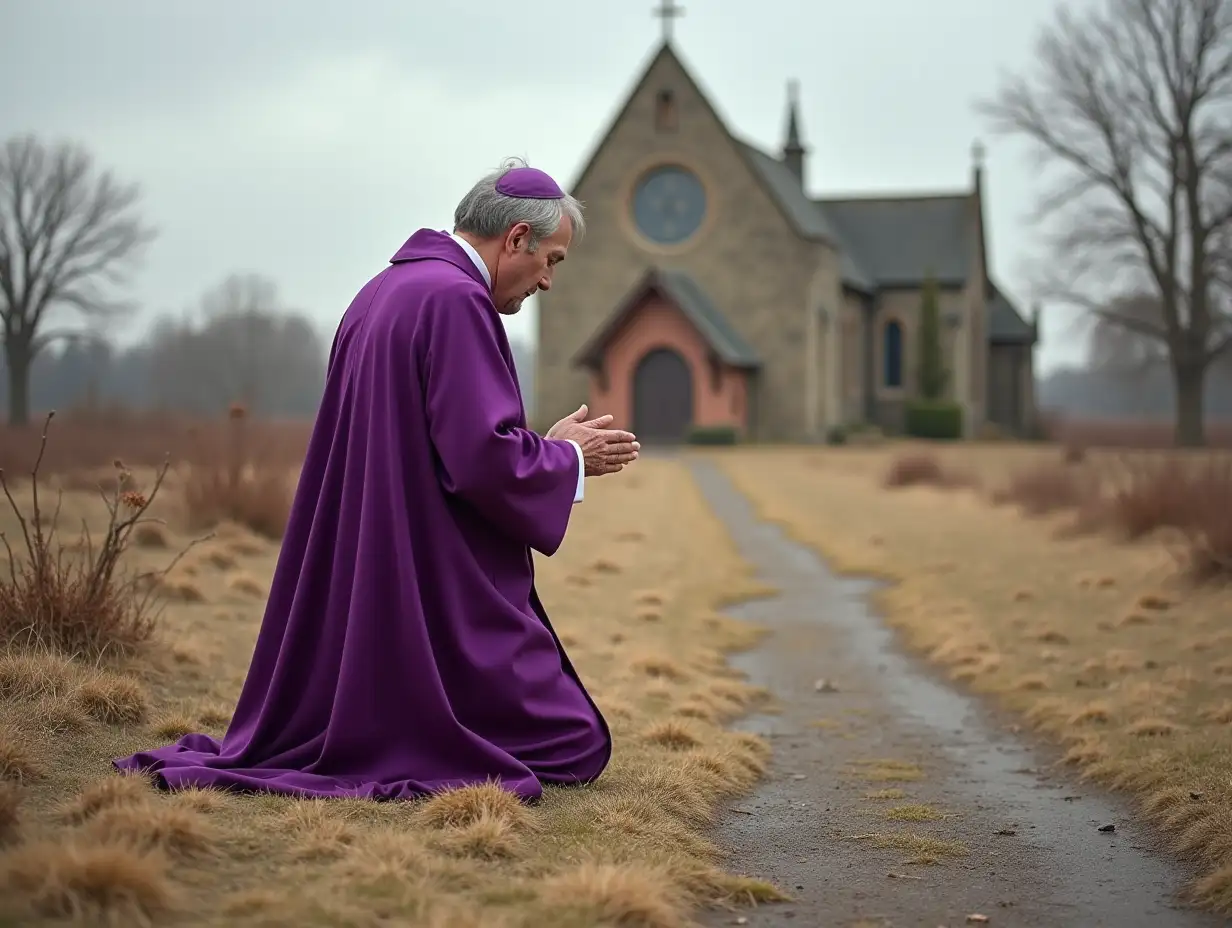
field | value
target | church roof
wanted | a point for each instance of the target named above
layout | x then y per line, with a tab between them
1005	323
898	240
691	300
891	241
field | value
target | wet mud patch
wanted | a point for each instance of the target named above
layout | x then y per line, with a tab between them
894	799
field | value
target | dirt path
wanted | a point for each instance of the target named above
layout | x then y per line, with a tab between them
984	825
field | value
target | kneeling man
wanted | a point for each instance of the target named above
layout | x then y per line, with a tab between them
404	649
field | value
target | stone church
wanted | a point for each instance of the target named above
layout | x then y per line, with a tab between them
712	289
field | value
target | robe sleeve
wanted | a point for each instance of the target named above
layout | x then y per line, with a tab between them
522	483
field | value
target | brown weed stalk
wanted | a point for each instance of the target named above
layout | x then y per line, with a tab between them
77	599
240	488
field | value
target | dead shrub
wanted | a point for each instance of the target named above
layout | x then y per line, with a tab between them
240	488
1151	494
924	470
1208	549
76	598
1074	453
1050	487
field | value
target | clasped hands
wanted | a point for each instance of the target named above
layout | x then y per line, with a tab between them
604	450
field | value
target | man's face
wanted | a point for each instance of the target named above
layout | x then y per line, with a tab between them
522	272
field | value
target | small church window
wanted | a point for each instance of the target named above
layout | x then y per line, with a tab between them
892	362
665	111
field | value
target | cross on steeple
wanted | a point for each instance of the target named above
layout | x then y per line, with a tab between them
667	10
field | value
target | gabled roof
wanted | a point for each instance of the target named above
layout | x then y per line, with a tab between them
774	176
898	240
1005	323
684	292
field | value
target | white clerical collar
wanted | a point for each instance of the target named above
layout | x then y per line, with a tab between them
474	256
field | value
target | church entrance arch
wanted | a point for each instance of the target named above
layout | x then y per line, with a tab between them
662	397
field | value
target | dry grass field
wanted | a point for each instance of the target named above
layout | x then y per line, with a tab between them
87	674
1088	591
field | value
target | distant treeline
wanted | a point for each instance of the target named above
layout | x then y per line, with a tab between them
274	363
1124	394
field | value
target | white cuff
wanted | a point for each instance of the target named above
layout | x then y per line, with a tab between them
580	492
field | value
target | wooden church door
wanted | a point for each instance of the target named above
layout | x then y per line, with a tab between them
662	397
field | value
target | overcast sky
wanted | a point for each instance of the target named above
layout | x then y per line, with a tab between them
307	139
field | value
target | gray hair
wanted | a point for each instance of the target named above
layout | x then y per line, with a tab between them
487	214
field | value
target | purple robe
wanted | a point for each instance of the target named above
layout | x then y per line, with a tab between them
404	649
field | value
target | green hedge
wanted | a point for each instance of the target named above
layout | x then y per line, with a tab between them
936	419
713	435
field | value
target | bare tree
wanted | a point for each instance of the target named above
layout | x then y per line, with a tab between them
66	233
1117	343
243	347
1131	104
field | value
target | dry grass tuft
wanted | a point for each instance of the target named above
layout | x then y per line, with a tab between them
1155	602
200	800
674	736
214	716
913	812
1152	728
31	674
180	590
219	559
924	470
923	849
247	586
1095	712
17	760
123	790
319	833
458	808
112	699
661	668
1032	683
888	771
174	726
90	883
150	826
1215	890
632	895
489	837
1220	714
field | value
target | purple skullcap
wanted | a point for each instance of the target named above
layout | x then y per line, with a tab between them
529	183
